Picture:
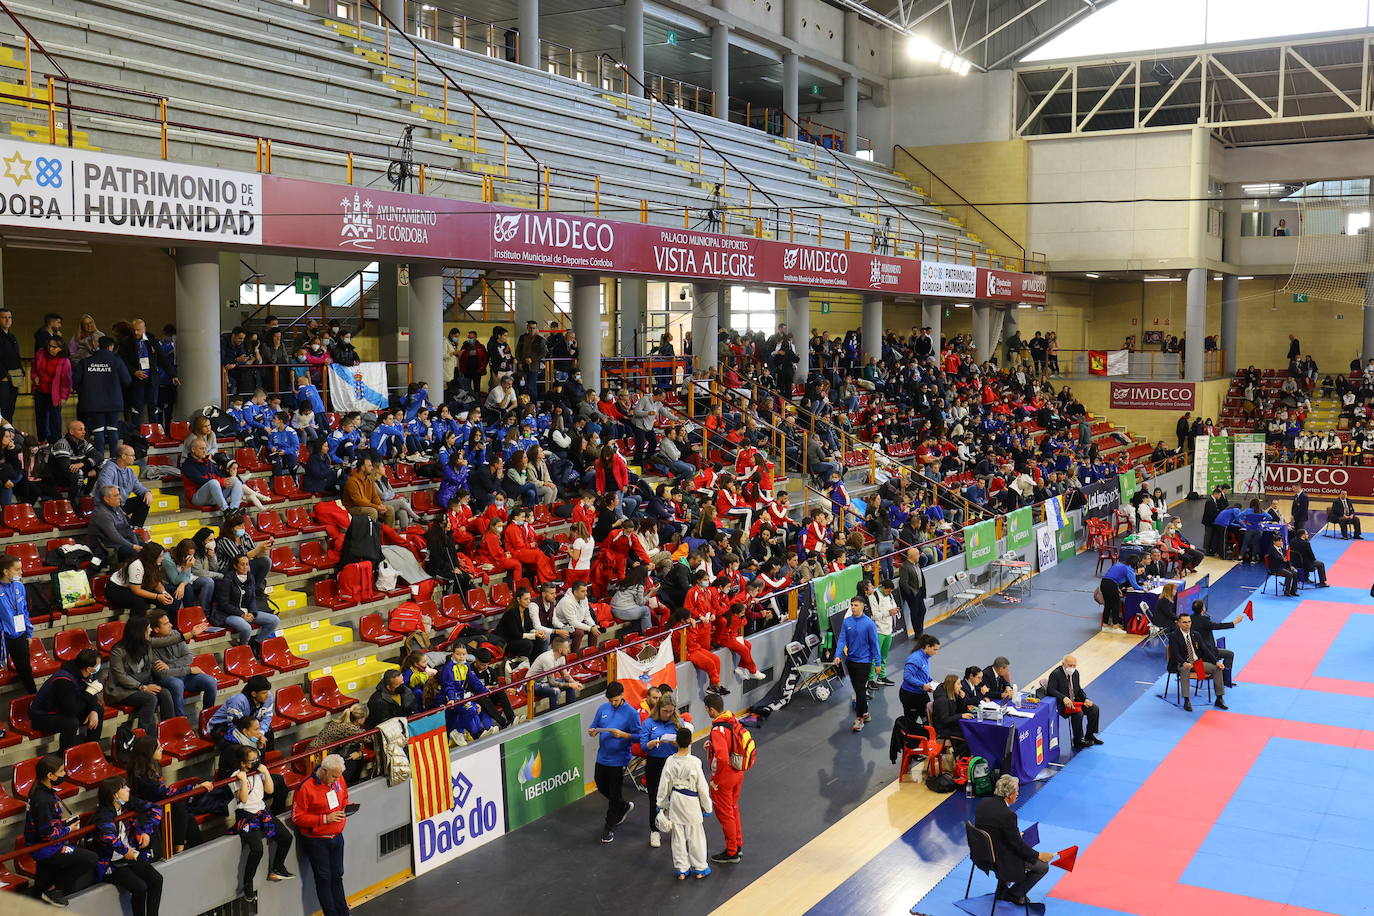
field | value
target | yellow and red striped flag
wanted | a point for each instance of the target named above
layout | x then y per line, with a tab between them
430	775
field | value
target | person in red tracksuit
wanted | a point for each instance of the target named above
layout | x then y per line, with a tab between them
523	544
318	813
460	520
585	509
698	650
492	552
729	634
613	555
725	782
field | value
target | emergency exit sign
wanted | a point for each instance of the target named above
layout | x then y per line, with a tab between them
1300	297
825	308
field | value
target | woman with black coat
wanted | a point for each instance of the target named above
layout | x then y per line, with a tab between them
124	847
947	709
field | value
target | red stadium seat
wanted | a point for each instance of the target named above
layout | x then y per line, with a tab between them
20	517
210	665
87	765
278	768
276	653
285	562
249	461
317	555
288	487
25	772
9	806
293	705
269	522
30	560
107	634
324	693
422	501
59	512
239	661
157	437
327	595
188	618
478	603
298	517
19	717
67	643
372	629
43	664
260	486
178	740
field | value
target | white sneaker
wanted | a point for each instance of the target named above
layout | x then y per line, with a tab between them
489	732
741	673
757	676
458	737
655	840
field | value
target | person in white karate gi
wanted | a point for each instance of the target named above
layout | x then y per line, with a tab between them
684	797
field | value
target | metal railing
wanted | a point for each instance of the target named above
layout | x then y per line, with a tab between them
402	371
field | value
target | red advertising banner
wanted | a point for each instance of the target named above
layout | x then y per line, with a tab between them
1319	479
1149	395
361	222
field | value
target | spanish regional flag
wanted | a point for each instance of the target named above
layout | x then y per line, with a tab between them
1097	362
430	776
638	676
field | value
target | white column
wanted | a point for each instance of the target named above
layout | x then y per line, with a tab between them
799	323
395	10
791	76
427	324
851	115
526	304
632	339
198	329
1011	323
930	317
706	324
873	327
720	71
982	330
1195	321
1230	311
633	50
586	324
528	18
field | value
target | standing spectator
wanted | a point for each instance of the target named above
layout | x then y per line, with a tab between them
174	664
911	586
85	341
501	360
530	352
52	327
60	868
133	495
16	625
255	824
472	362
100	381
72	461
11	367
124	847
858	651
144	359
132	681
52	384
615	726
343	352
318	813
1039	351
726	781
643	416
65	705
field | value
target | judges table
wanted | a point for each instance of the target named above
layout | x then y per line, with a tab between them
1030	743
1144	599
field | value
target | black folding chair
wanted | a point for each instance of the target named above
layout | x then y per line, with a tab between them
1170	671
983	858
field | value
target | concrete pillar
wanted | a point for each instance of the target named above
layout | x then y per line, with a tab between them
1195	325
393	315
1230	309
427	324
999	315
706	324
851	37
528	18
791	19
633	339
931	311
982	330
1011	323
632	53
851	115
395	10
1199	173
791	76
586	324
723	313
799	323
872	334
527	305
720	71
198	329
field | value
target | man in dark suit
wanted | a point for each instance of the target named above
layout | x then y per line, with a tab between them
1066	687
1299	510
1184	649
1343	514
1214	541
1019	866
1204	627
1278	566
1301	556
997	678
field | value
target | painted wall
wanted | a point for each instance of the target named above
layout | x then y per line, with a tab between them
991	175
943	109
1153	425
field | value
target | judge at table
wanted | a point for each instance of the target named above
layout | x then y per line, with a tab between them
1066	687
1019	866
997	678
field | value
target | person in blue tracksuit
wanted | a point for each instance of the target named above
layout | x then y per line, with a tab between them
457	681
1118	576
1252	545
389	436
283	446
658	739
616	726
343	442
857	651
16	626
917	682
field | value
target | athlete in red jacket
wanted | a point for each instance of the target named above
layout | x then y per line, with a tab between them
725	781
523	544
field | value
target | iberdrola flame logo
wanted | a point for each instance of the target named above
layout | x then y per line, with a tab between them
534	766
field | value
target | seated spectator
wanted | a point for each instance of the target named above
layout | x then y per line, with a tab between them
629	600
146	782
574	614
137	584
351	721
68	703
361	496
234	541
133	495
178	574
112	528
72	464
457	682
133	682
525	635
391	698
948	707
202	430
203	483
174	664
60	868
558	688
240	605
254	702
400	506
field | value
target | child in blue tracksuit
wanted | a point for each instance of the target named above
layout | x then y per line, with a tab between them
858	651
417	397
420	433
343	442
389	436
457	680
283	446
308	395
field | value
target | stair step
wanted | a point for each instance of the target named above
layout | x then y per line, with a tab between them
9	57
169	533
308	638
165	502
38	93
619	101
353	676
639	121
287	600
711	185
486	168
371	55
516	199
463	142
663	143
347	29
688	165
402	84
827	181
80	140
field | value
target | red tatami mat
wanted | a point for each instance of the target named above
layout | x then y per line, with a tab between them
1355	568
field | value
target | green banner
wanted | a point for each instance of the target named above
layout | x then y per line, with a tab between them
1129	485
980	544
1020	528
832	593
543	771
1066	540
1219	468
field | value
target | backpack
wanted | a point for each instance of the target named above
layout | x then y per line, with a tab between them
979	782
355	580
1139	625
406	618
940	782
743	752
122	744
961	771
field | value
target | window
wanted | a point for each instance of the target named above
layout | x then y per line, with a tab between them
562	297
753	309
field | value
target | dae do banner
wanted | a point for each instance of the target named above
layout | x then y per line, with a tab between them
476	817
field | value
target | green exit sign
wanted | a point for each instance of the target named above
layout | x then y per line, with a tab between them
307	284
825	308
672	38
1300	297
949	312
815	89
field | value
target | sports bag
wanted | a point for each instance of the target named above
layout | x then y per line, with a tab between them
980	781
743	752
356	580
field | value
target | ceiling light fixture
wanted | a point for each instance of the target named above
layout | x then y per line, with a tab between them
923	49
1163	279
698	54
1092	276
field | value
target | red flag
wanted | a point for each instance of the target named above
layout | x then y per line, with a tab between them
1199	669
1066	858
1097	362
1250	609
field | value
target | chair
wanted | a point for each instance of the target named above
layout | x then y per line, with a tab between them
1107	554
42	663
30	560
316	555
982	857
9	807
188	618
456	610
178	740
59	512
25	771
277	766
207	662
293	705
324	693
285	562
269	522
21	518
239	661
260	486
248	460
68	643
107	634
87	765
327	595
422	501
371	628
299	519
20	723
287	487
813	674
1198	677
157	437
276	653
478	603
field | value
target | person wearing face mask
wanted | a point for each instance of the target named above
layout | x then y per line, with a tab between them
16	626
60	868
124	848
67	706
1067	689
343	352
238	543
240	604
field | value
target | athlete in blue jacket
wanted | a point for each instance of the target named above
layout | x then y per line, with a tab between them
857	650
616	726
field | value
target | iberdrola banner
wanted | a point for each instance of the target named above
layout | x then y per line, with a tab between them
832	593
980	543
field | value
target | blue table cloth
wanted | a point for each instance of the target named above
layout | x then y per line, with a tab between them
1032	743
